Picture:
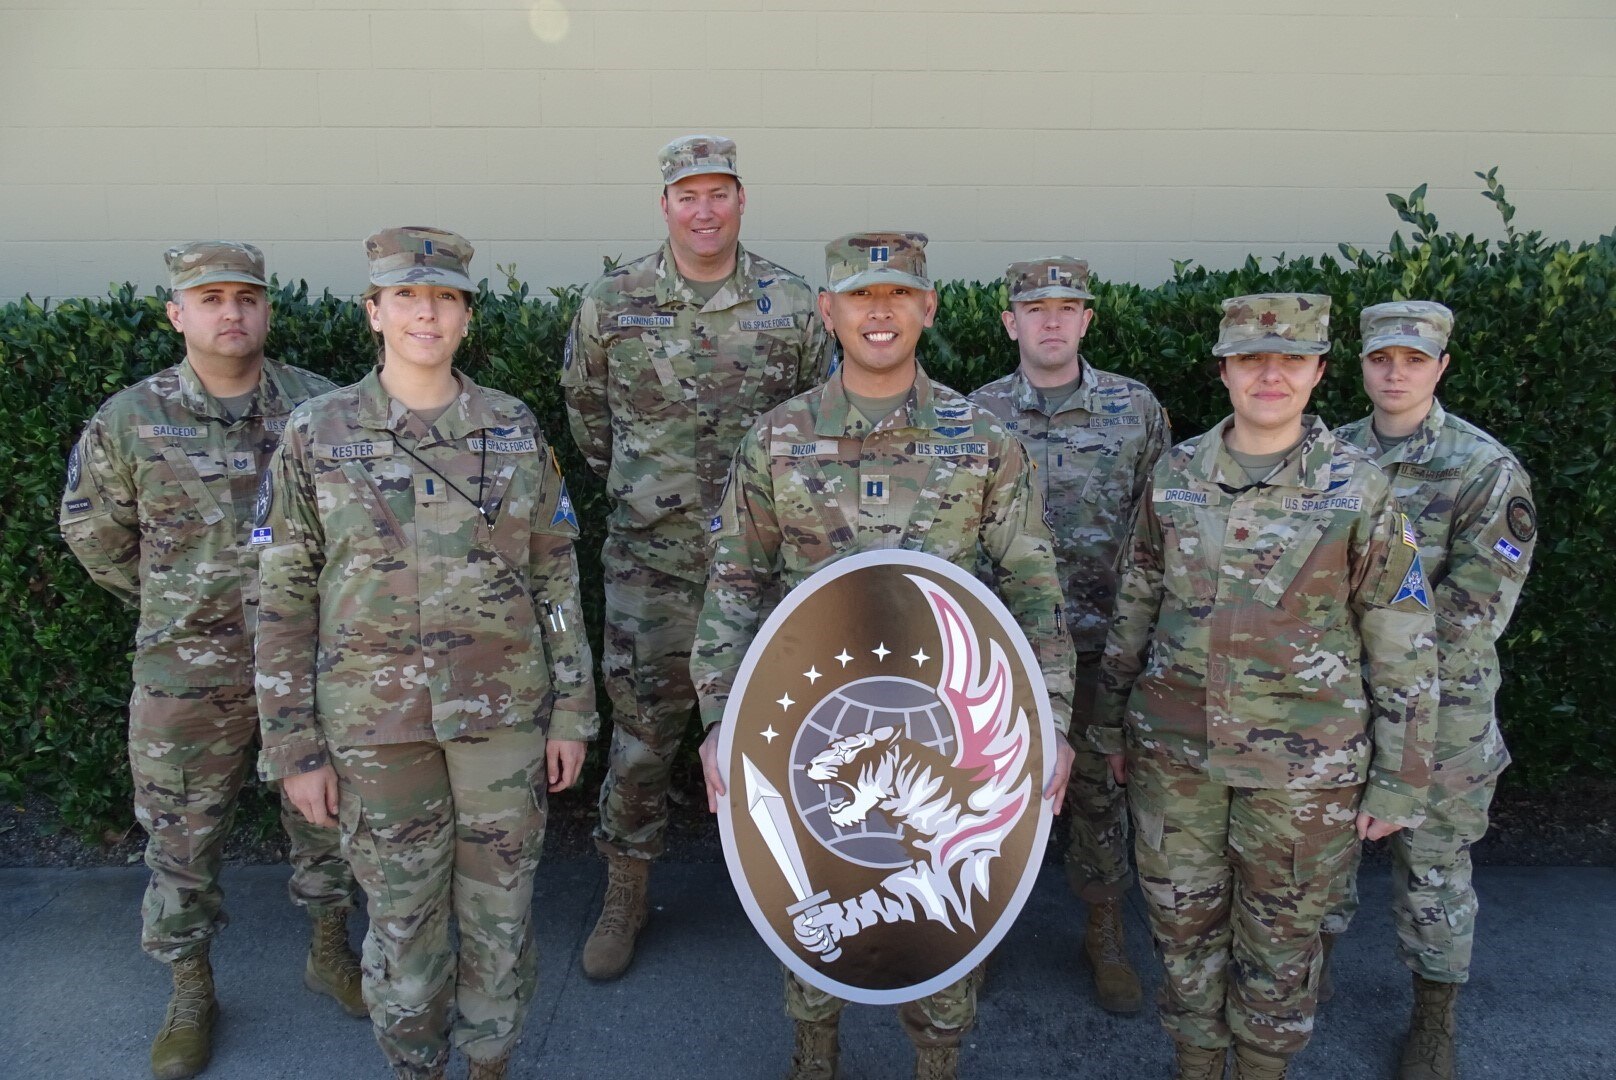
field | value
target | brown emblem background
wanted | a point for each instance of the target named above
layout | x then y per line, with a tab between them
854	609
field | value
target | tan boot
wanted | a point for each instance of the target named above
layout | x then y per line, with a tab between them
185	1041
1116	985
1326	983
488	1070
1198	1062
332	969
936	1062
610	948
816	1054
1433	1033
1253	1064
406	1072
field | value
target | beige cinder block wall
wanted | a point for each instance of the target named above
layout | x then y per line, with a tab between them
1134	132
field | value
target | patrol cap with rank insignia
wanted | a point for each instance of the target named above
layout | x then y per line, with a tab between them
860	259
417	254
1416	324
207	262
1043	279
1296	324
694	155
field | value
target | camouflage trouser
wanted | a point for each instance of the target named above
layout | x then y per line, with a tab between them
939	1019
1097	807
190	750
1433	900
435	829
650	625
1237	881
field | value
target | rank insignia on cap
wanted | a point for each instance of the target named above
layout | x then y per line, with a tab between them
880	254
1413	587
426	247
1054	274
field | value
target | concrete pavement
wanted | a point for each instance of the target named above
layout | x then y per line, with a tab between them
78	1000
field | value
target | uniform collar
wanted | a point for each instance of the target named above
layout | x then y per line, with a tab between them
1026	397
469	412
1418	448
671	286
1307	469
269	399
838	418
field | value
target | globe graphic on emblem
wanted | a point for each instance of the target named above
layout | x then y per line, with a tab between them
856	707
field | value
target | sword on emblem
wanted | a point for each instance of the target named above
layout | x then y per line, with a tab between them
768	810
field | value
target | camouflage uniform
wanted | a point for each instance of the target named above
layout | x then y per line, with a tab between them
1269	674
814	482
1094	456
158	506
660	387
420	630
1471	504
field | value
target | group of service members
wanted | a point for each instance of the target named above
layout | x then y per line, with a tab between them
1268	642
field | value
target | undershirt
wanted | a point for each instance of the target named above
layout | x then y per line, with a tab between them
1257	467
430	416
236	407
876	409
706	290
1388	442
1051	398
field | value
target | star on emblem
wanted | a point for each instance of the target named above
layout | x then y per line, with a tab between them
785	701
920	658
812	675
770	734
881	651
843	657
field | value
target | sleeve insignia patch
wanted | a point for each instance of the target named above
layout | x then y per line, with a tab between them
1413	587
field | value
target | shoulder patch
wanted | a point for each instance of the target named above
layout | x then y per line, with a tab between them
75	469
77	506
1508	550
1413	586
261	535
1521	519
265	500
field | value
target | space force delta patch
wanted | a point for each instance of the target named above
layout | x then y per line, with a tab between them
645	320
1413	586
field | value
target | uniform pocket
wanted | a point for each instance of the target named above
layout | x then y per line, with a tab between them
1322	856
359	846
160	804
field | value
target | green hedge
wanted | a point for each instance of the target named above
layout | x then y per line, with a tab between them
1534	362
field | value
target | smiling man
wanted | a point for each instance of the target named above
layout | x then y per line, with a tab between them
159	509
1095	438
1471	504
877	457
671	358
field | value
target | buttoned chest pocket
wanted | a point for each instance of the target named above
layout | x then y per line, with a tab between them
177	498
1187	570
1309	581
511	499
946	496
363	502
650	373
770	358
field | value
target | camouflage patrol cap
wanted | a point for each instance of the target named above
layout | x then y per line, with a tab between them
1418	324
1294	323
416	253
1041	279
204	262
693	155
860	259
